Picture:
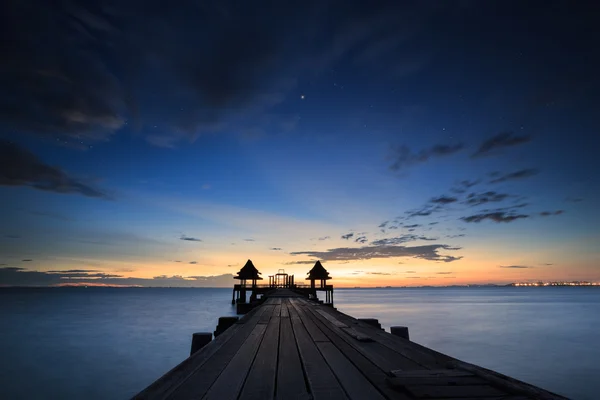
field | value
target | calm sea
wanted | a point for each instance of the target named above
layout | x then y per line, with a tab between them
102	343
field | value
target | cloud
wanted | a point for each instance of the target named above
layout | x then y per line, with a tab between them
249	240
402	157
324	238
27	260
549	213
383	224
15	276
347	236
70	271
400	240
189	238
299	262
275	248
455	236
412	226
443	200
477	199
12	236
361	239
497	216
462	186
425	252
524	173
514	266
20	167
500	142
444	273
410	272
574	199
379	273
193	262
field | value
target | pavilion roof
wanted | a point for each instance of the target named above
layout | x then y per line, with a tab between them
248	271
318	272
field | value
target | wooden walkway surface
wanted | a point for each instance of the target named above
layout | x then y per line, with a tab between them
291	348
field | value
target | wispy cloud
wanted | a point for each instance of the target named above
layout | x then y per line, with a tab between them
189	238
444	273
361	239
550	213
249	240
324	238
299	262
402	157
347	236
443	200
477	199
500	142
523	173
401	239
20	167
515	266
497	216
464	185
426	252
275	248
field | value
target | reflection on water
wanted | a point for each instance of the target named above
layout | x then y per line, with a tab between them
102	343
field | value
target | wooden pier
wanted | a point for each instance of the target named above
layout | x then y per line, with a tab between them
290	347
249	277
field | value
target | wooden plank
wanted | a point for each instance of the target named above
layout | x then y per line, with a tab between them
375	375
436	373
290	377
332	319
421	355
321	381
260	383
442	392
313	330
354	383
353	333
170	381
378	354
284	310
198	383
230	381
507	383
266	316
437	381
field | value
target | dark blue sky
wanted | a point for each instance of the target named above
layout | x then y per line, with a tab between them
455	139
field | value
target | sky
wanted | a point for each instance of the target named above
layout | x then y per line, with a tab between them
400	143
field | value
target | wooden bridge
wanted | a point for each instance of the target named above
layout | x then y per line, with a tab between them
290	347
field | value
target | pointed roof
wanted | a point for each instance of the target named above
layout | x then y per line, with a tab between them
248	271
318	272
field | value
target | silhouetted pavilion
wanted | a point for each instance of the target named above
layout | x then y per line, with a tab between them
248	272
318	272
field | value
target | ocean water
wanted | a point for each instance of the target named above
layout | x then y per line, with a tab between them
103	343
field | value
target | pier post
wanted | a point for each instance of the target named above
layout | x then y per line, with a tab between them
199	340
374	322
224	323
401	331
